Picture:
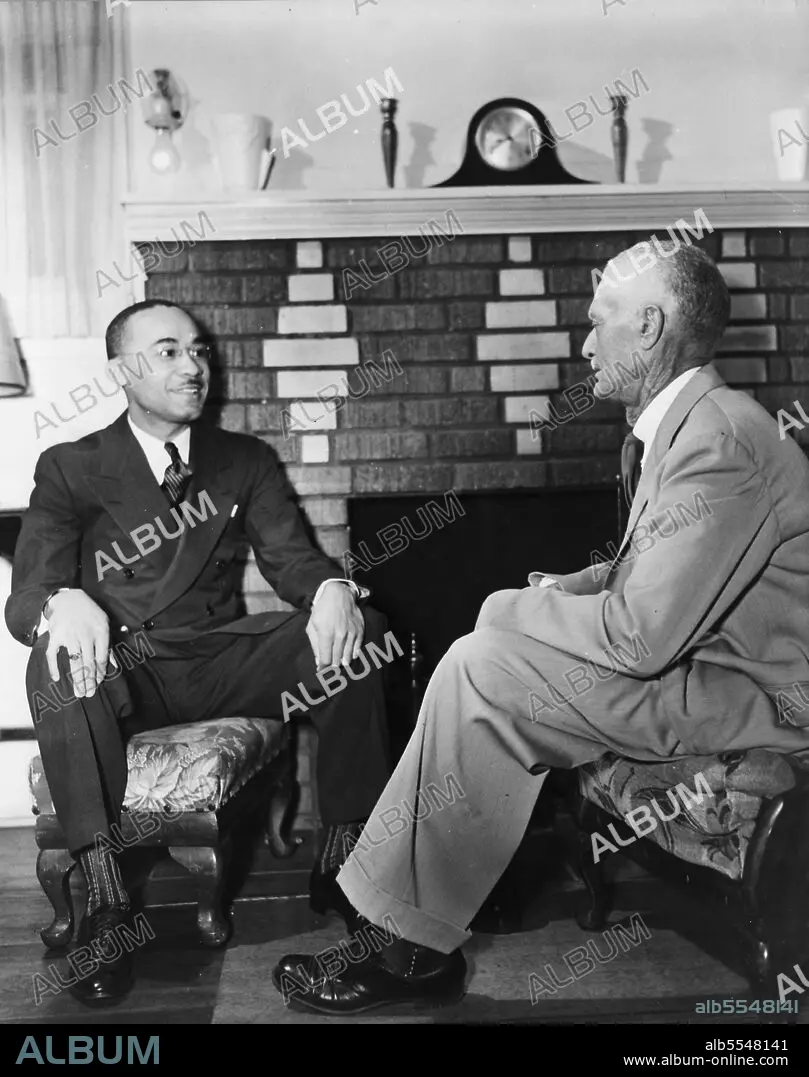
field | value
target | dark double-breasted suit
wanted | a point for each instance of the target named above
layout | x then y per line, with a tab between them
98	520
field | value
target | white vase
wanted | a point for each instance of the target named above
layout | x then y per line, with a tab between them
790	130
241	143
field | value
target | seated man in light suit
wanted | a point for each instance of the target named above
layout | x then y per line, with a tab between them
679	647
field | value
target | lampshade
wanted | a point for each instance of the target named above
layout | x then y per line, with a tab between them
12	379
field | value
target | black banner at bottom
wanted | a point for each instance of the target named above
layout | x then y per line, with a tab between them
700	1046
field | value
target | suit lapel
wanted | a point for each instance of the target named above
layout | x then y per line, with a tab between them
123	482
212	476
707	379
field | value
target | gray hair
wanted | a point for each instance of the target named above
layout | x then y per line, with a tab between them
699	290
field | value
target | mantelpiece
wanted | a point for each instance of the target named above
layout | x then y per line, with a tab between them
481	210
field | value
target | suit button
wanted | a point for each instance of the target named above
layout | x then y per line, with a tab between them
209	610
148	624
220	565
129	573
124	628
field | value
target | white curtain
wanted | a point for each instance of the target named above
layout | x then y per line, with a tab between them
60	186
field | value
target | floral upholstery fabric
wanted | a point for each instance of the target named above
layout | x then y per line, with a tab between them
194	767
711	831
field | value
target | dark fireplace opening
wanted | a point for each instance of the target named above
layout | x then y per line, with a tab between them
431	560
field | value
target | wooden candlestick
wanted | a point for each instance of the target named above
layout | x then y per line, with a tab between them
390	136
619	134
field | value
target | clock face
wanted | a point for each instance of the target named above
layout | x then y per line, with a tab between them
508	138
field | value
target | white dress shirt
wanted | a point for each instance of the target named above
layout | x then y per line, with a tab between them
652	416
647	425
154	449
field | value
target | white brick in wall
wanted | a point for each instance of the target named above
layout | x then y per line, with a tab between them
748	338
521	282
738	274
315	449
746	307
311	288
503	346
521	314
336	351
519	248
524	377
529	442
310	415
519	408
326	319
301	383
309	255
733	245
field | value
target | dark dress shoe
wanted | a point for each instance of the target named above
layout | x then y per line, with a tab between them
325	895
112	978
368	985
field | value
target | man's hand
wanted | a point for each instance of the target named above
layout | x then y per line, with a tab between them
76	623
336	627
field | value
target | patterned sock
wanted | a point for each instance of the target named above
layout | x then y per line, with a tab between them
103	878
338	842
408	959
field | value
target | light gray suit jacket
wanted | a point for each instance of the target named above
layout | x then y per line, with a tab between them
712	576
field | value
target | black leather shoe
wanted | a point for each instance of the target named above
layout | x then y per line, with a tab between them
112	978
325	895
306	985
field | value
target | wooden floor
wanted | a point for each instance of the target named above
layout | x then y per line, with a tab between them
685	960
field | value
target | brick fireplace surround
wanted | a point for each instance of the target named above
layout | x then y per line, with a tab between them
486	328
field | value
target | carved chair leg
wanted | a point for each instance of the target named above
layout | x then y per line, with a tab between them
53	872
757	953
591	915
208	866
282	800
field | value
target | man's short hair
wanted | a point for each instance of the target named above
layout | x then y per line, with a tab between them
116	330
699	289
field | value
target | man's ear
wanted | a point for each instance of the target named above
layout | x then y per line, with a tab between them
653	321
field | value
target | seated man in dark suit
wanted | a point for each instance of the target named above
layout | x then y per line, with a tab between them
110	499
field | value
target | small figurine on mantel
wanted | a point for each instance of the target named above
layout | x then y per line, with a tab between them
390	136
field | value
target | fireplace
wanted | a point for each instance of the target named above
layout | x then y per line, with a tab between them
431	561
455	551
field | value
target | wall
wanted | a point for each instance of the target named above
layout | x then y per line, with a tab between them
715	71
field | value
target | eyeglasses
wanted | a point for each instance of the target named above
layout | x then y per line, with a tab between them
200	352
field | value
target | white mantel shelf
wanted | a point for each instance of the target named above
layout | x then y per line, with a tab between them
480	211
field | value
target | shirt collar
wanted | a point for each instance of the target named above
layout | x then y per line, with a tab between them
154	448
653	414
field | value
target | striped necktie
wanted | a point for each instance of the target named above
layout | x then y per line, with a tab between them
631	454
177	476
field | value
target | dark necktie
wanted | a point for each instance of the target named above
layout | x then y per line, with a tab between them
177	476
631	454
